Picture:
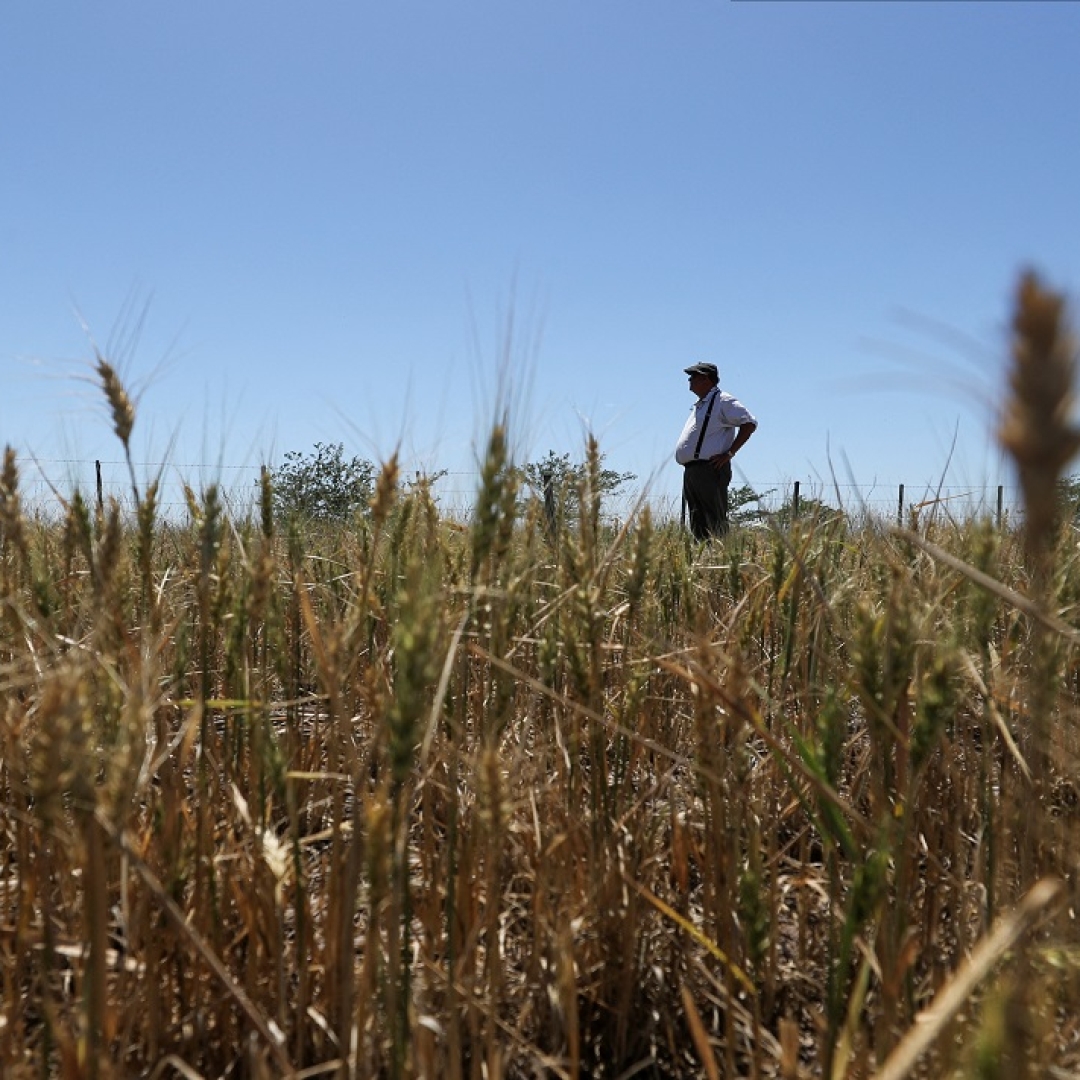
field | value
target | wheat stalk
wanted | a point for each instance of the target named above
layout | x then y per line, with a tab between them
1036	427
122	411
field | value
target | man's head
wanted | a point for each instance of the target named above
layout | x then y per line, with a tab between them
703	377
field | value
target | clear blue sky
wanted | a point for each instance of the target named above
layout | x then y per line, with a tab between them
325	217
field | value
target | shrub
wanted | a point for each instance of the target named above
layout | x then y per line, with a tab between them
322	485
563	479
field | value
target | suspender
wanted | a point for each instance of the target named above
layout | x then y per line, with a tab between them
705	424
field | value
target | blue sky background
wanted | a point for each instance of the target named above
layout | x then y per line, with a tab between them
359	222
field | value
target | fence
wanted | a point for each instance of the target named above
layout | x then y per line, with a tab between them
46	483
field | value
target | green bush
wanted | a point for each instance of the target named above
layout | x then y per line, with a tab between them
322	485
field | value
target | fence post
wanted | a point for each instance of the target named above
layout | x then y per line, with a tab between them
1000	503
550	512
100	497
795	501
900	509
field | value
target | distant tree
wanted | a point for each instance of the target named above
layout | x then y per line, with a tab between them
1068	489
556	477
810	509
322	485
744	505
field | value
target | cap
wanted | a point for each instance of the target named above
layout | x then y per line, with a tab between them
703	369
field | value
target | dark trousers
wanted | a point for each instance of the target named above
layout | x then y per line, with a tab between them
705	490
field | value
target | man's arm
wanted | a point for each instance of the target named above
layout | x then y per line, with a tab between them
741	436
744	433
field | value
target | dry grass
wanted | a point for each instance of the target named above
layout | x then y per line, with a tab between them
402	800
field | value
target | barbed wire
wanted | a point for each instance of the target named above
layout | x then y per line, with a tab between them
455	490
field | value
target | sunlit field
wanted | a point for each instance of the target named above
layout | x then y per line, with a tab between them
406	798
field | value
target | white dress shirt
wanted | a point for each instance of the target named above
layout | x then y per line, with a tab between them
727	416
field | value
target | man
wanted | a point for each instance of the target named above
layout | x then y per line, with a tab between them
716	430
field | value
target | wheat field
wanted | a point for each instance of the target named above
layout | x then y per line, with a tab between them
408	799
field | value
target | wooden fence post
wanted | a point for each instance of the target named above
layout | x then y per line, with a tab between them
795	501
550	512
900	509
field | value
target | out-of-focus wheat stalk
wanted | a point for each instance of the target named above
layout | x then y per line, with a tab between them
1038	432
12	527
1036	427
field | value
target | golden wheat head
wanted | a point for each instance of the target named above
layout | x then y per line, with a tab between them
123	412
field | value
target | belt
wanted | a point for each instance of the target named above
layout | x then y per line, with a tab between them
697	461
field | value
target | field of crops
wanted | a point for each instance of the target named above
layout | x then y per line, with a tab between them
409	799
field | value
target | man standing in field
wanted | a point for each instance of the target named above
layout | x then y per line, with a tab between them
715	431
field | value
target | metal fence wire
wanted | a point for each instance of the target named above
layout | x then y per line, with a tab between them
46	484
